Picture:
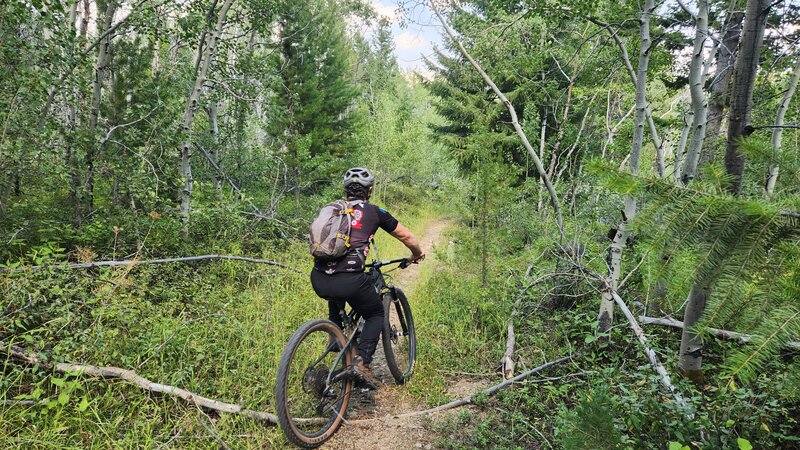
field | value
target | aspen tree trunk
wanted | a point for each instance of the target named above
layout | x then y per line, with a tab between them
213	120
726	54
699	103
688	120
606	315
206	55
744	77
97	94
690	361
657	142
777	132
72	118
691	354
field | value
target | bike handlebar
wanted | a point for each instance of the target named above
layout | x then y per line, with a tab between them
404	262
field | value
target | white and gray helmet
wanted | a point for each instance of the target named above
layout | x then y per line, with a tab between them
358	175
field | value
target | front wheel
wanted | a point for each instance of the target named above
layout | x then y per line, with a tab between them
399	337
310	397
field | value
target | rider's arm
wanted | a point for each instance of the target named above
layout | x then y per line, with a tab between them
408	239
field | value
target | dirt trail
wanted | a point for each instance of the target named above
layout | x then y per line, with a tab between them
390	399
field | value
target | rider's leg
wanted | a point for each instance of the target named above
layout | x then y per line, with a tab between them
334	309
362	295
367	301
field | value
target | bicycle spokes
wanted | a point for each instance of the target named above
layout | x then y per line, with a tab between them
315	394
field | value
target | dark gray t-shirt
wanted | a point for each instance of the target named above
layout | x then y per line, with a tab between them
366	221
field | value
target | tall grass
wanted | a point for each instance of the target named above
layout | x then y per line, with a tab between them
218	329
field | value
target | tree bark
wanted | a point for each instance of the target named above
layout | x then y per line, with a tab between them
214	153
206	55
690	360
606	314
777	132
741	337
719	99
137	380
507	361
137	262
97	94
744	77
657	142
699	103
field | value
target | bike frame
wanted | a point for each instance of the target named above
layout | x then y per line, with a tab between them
353	319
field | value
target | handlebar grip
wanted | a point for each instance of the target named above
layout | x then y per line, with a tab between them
405	263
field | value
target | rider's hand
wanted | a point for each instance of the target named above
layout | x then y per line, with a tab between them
415	259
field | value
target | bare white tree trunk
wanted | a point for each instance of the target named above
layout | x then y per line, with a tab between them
97	93
206	55
606	314
214	153
772	176
699	101
682	141
741	337
657	142
514	121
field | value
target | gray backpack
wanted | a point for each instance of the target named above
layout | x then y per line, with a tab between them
329	236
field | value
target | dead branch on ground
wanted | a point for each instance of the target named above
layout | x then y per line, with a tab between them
741	337
136	262
132	377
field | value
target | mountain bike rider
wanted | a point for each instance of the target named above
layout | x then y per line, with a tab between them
344	279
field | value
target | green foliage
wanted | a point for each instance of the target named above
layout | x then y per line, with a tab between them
590	423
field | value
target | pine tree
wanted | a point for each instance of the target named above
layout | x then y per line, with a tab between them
316	90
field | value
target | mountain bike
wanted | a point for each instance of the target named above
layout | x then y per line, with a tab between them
314	383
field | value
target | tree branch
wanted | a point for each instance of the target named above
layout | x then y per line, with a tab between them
741	337
132	377
135	262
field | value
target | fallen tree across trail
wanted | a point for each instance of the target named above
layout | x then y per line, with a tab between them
470	398
133	378
136	262
741	337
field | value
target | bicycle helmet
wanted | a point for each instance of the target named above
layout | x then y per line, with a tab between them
358	175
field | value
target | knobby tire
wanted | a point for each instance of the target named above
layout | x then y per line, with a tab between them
398	318
283	399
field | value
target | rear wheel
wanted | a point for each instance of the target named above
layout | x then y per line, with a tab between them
399	337
310	397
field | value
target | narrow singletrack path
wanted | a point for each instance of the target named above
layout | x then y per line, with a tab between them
390	399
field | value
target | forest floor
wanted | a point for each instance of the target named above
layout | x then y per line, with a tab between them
371	419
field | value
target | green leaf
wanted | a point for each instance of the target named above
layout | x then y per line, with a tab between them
729	423
589	339
744	444
57	381
63	398
83	404
675	446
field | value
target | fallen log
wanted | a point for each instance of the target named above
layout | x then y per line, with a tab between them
507	361
488	392
133	378
733	335
637	330
651	355
136	262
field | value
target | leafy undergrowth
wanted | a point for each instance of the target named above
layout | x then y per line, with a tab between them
607	396
214	328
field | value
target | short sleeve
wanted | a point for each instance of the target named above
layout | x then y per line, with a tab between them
386	221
